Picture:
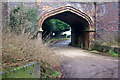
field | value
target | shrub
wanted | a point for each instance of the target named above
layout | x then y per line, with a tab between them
20	49
18	44
24	19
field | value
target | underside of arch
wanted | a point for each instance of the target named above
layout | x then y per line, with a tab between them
81	24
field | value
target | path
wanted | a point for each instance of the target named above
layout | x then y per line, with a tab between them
78	63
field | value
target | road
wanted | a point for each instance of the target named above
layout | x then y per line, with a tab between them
78	63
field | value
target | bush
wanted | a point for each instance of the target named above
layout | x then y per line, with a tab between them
20	49
24	19
18	45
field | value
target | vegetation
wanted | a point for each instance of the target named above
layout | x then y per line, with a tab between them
55	26
112	53
24	19
109	39
18	48
30	71
55	40
108	43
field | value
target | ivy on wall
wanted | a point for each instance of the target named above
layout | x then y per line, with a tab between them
24	19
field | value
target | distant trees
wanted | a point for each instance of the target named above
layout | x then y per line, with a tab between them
55	26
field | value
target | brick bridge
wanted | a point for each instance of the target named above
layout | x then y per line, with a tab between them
88	21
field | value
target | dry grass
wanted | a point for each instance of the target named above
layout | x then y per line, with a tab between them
18	50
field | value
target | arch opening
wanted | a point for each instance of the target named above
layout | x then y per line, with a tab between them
81	26
55	28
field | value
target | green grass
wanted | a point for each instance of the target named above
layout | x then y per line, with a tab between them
31	72
109	53
21	73
54	39
112	53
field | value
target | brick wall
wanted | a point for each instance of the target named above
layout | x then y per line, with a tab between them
107	19
107	14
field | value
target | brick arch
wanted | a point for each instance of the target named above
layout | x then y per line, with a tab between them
78	12
64	9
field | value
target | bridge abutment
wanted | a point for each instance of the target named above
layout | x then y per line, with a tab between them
84	40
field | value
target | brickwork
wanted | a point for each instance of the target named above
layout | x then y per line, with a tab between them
107	19
106	16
